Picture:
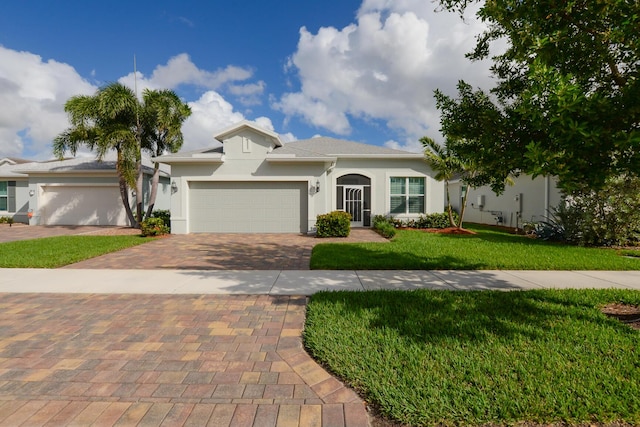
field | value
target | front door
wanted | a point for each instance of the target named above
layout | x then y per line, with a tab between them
353	203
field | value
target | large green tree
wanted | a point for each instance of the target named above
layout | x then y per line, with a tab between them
114	119
567	98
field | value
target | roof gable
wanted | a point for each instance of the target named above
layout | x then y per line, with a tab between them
233	130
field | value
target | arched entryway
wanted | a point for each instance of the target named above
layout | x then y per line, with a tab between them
353	195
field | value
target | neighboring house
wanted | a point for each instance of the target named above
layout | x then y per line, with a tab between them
77	191
527	200
14	197
256	183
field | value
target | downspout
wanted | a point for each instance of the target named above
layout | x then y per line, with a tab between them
546	198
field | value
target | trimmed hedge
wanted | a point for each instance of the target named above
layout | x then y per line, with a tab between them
333	224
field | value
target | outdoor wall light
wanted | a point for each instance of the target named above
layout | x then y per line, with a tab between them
317	186
174	187
32	193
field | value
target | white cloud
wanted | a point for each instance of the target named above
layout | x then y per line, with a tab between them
180	70
210	113
32	95
383	67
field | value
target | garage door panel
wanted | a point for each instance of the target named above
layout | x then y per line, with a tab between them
79	205
248	207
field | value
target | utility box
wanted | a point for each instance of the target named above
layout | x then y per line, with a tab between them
518	202
480	202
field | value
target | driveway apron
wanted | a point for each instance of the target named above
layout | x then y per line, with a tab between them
223	360
164	360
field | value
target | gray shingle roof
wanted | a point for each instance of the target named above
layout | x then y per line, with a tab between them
324	146
82	164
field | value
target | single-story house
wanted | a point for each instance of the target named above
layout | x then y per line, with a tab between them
527	200
76	191
256	183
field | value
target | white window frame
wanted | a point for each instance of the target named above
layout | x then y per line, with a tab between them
407	195
5	197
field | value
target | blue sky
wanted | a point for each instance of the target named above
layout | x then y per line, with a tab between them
359	70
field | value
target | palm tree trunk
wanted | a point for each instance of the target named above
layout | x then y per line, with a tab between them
139	193
462	208
452	223
154	189
124	194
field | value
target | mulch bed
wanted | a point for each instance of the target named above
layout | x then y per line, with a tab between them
627	314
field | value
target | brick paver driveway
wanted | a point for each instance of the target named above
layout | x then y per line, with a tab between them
163	360
222	252
24	232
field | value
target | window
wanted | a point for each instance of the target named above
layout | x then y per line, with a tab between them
407	195
4	195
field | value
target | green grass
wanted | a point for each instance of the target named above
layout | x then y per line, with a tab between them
487	250
53	252
428	358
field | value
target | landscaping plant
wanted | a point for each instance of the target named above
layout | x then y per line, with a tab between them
154	227
333	224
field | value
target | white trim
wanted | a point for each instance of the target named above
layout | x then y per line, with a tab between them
388	156
387	201
80	184
291	158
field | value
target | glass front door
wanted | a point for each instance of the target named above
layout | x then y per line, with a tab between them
353	203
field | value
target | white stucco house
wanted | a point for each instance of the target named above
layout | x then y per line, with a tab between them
255	183
527	200
76	191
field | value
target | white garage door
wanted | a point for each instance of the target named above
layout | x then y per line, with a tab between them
82	205
247	207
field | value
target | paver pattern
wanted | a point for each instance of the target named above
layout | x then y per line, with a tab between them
222	251
164	360
24	232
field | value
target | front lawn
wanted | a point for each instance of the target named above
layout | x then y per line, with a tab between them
489	249
53	252
429	358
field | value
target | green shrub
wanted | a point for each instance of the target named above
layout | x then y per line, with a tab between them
165	215
333	224
6	220
154	227
607	217
384	226
435	220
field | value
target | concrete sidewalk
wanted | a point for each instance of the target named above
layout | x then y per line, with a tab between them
298	282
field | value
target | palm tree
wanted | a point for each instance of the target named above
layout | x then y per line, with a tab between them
114	119
446	165
162	118
103	122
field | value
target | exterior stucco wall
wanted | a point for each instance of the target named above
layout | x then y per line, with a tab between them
19	214
527	200
319	202
380	171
